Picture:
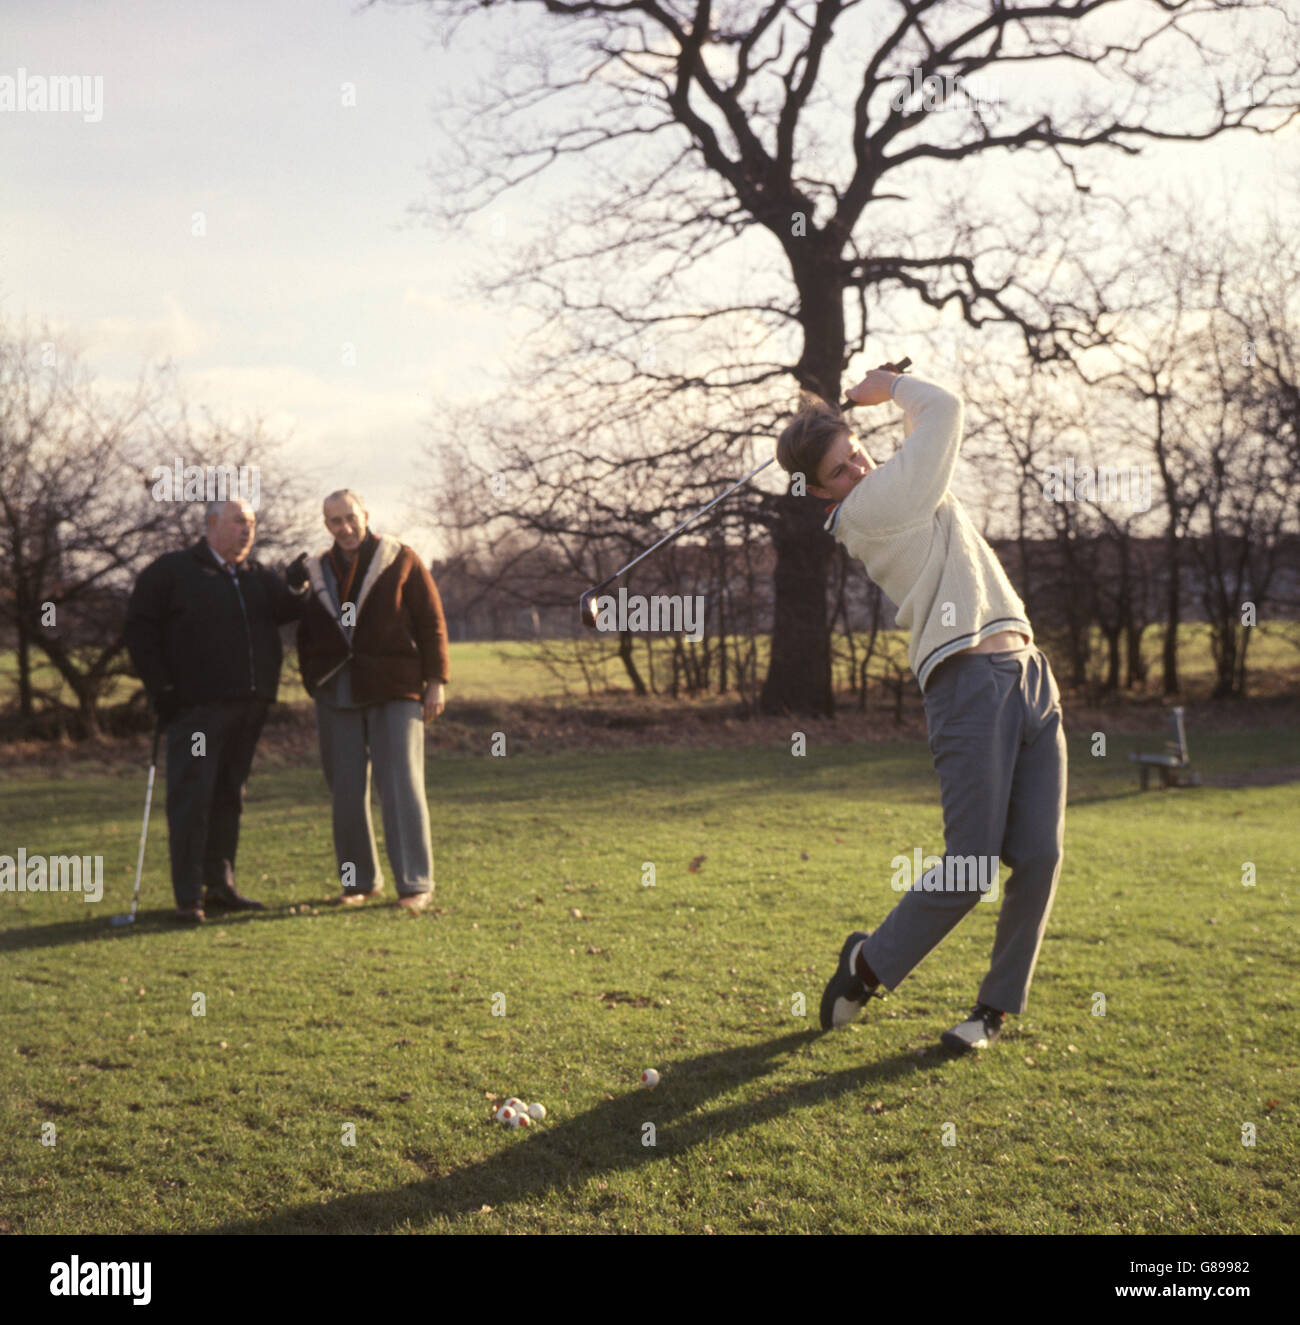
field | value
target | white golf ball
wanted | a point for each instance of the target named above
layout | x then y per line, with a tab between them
505	1114
537	1111
521	1120
649	1077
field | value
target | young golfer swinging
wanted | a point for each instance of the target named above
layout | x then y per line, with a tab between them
992	708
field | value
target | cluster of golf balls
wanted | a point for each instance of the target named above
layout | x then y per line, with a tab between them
515	1113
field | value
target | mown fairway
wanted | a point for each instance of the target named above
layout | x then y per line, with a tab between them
317	1018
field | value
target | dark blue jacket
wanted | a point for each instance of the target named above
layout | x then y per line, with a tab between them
187	627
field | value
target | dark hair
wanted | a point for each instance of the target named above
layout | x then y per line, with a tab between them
803	443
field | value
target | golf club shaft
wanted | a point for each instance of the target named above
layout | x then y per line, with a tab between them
688	521
144	827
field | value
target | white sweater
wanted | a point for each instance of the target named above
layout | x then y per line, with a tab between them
919	545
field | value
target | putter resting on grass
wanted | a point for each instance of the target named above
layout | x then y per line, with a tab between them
119	922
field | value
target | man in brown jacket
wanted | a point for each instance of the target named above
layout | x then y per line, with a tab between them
372	648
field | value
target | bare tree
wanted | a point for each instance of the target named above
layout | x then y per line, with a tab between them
796	137
80	510
1248	435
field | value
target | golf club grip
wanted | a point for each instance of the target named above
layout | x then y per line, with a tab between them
900	367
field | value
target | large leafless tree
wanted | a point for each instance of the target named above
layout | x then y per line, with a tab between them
797	176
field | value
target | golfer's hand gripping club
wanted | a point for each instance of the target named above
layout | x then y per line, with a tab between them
900	367
587	603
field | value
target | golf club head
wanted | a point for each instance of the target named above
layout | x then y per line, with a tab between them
587	609
119	921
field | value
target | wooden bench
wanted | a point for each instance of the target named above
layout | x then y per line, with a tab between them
1173	762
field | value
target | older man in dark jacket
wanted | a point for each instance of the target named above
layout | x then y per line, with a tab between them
372	647
202	628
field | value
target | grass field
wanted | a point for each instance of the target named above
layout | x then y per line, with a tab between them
317	1018
511	670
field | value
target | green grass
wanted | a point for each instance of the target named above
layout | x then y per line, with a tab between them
1128	1122
481	670
511	670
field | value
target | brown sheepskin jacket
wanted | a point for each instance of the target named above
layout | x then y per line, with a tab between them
400	639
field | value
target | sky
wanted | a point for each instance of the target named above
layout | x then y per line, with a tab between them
242	202
235	111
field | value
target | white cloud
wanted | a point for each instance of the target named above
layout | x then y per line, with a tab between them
173	333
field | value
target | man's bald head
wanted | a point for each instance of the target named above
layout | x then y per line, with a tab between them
231	528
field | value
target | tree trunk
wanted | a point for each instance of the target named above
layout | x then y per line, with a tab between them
1111	684
24	617
799	673
1173	611
840	613
1077	622
1136	670
25	705
1224	636
723	678
88	711
625	641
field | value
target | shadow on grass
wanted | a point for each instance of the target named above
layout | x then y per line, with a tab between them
60	934
1156	795
607	1139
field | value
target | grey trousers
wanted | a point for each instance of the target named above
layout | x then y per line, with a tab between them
995	733
391	736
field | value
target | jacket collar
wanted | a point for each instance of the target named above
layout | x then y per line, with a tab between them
204	551
384	555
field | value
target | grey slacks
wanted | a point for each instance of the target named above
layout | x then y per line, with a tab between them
391	738
995	730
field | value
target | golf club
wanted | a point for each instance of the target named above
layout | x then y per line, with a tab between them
118	922
586	604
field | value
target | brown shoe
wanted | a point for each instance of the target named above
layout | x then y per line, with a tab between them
360	899
190	915
414	902
226	897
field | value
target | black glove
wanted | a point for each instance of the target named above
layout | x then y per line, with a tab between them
296	576
165	705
